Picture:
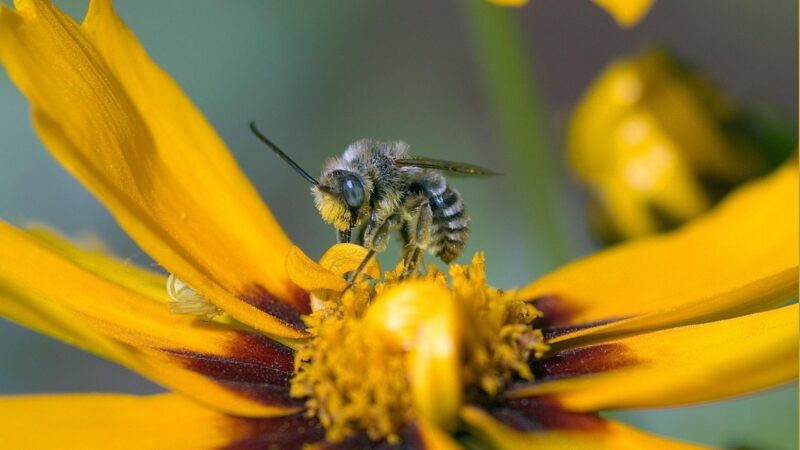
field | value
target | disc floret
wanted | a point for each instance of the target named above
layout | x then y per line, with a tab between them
380	349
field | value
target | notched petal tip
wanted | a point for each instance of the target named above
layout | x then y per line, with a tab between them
100	8
8	19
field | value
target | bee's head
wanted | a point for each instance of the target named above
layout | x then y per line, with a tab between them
342	197
341	194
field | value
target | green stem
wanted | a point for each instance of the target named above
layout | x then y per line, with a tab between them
520	119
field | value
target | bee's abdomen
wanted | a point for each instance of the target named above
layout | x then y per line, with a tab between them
450	227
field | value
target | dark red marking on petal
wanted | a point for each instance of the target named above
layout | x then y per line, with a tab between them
257	368
555	312
255	347
258	382
302	299
359	442
557	315
290	314
412	439
583	361
251	358
225	368
554	332
541	414
290	432
266	394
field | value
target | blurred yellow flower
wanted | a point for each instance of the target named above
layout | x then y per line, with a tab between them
657	145
627	13
288	359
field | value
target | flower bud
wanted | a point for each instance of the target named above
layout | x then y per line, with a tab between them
656	145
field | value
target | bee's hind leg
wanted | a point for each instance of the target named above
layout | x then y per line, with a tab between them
418	233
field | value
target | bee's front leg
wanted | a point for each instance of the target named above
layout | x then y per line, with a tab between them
375	238
343	236
377	229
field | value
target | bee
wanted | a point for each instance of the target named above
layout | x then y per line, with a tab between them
376	188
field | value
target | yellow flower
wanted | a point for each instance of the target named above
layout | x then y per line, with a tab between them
657	145
627	13
688	317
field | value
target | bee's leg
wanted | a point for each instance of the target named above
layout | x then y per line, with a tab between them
375	238
342	236
412	261
361	267
418	230
376	231
358	237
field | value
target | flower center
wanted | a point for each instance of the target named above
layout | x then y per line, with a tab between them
386	353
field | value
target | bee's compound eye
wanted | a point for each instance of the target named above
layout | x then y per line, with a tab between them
352	191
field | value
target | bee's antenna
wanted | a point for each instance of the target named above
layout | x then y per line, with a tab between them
282	155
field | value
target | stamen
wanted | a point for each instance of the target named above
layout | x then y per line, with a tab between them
359	371
185	300
501	341
353	381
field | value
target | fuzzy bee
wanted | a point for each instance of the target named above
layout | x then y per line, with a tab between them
375	188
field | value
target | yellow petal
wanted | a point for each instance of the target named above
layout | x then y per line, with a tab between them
95	257
739	258
679	366
516	3
116	312
334	264
111	421
586	432
627	13
435	368
310	275
104	421
422	317
121	126
343	258
434	438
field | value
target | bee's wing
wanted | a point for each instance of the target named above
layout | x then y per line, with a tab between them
448	166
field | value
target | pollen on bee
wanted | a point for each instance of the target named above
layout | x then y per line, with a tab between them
185	300
335	213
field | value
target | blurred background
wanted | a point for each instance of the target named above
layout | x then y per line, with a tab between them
316	76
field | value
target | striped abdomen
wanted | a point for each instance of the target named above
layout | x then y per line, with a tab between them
450	227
